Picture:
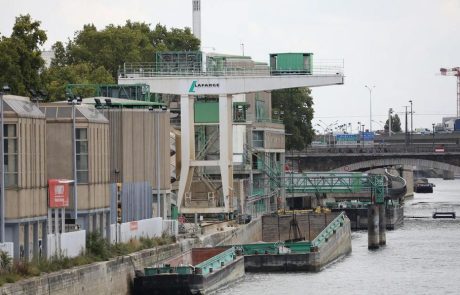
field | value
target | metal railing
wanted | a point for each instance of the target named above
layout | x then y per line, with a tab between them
217	262
379	149
396	185
326	233
152	69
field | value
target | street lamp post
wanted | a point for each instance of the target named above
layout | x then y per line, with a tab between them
324	132
411	121
157	113
370	105
433	135
74	101
4	90
406	132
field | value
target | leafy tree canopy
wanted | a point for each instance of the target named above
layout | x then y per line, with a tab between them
295	107
133	42
20	56
395	124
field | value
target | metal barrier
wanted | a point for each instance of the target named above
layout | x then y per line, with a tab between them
326	233
152	69
217	261
378	149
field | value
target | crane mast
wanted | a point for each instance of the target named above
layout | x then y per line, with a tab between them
454	72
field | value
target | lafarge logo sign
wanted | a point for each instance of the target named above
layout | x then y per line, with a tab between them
196	84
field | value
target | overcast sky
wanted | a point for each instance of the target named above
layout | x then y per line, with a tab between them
396	45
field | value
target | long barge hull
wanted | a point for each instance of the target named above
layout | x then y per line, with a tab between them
189	283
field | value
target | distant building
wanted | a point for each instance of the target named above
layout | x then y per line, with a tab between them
448	123
47	56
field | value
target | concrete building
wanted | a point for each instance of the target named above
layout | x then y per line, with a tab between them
25	206
91	210
139	142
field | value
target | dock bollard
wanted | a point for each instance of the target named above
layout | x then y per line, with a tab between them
382	225
373	227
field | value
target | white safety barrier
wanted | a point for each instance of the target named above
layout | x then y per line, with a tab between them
69	244
147	228
7	247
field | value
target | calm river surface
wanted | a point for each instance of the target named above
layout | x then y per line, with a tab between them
422	257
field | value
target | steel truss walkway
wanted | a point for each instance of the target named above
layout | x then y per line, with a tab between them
343	182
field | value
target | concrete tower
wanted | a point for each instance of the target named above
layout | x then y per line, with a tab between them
197	18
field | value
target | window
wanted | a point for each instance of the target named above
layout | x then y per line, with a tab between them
260	110
258	139
11	154
81	135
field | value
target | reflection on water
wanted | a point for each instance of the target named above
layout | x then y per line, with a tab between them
422	257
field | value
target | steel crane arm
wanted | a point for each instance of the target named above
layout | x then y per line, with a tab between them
450	72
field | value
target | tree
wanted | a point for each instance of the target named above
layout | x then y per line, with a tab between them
395	124
20	56
57	77
295	107
133	42
94	56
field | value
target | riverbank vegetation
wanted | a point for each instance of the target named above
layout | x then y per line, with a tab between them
97	249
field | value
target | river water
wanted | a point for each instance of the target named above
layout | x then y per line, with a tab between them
422	257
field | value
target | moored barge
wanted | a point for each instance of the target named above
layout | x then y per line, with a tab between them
198	271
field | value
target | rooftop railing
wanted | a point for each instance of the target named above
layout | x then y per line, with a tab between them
152	69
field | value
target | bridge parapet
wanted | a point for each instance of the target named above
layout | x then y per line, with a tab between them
383	149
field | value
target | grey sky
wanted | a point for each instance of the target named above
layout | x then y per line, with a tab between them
396	45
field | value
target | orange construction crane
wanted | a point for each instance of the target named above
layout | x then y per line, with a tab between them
454	72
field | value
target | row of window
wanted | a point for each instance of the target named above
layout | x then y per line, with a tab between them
10	142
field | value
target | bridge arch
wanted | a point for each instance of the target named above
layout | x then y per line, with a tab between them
382	162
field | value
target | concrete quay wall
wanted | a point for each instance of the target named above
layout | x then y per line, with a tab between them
108	277
338	245
115	276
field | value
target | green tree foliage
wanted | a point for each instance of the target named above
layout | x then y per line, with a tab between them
20	56
133	42
57	77
395	124
295	107
93	56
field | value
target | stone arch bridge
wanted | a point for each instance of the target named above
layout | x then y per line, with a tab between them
363	161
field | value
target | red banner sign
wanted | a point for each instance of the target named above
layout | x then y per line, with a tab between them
58	193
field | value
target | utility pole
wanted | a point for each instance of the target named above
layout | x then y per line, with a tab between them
406	132
390	111
411	122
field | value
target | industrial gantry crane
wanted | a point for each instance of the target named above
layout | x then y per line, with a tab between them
454	72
